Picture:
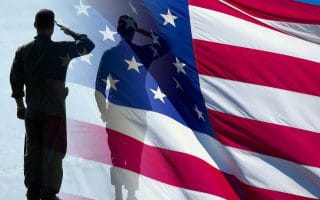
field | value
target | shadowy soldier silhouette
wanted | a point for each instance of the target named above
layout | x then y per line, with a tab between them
112	67
41	66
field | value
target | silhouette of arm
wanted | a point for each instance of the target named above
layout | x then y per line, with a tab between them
154	50
17	76
160	44
17	83
101	85
80	47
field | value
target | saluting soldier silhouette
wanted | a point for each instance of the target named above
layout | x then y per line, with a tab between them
41	66
111	68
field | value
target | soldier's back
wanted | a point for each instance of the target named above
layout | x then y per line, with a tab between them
45	65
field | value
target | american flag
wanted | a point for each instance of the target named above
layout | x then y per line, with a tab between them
230	112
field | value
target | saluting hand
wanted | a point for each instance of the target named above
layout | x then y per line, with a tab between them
65	29
143	32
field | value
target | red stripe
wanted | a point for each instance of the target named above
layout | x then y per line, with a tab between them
253	193
279	10
220	7
257	67
89	146
267	138
162	165
170	167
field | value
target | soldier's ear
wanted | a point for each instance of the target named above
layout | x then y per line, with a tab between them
35	24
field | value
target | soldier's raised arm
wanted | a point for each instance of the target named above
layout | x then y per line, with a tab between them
101	84
80	47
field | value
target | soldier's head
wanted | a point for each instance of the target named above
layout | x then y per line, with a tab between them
127	27
44	22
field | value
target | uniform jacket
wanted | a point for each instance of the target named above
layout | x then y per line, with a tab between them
41	66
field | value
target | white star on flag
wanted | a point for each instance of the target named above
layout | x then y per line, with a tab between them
71	63
158	94
199	113
112	82
155	52
82	9
108	34
155	38
133	64
180	66
169	18
178	85
85	57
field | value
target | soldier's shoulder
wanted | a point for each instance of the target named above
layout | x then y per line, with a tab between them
108	52
25	46
114	50
62	43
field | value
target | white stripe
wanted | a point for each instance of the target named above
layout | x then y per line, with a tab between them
262	103
135	123
221	28
81	105
93	180
264	171
310	32
161	131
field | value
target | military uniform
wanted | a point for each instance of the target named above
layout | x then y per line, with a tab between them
41	67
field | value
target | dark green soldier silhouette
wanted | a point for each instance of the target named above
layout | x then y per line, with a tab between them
41	66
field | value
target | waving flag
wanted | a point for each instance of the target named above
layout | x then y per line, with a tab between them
228	108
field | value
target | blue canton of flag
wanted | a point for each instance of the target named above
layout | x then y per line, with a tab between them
315	2
171	85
